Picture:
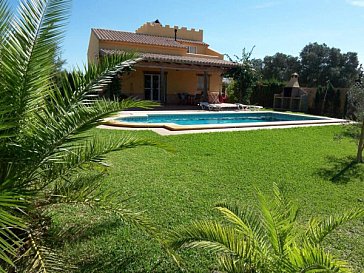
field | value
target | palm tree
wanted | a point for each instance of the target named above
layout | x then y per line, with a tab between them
265	240
43	130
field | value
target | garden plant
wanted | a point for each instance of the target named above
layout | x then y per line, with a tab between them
265	239
44	146
356	98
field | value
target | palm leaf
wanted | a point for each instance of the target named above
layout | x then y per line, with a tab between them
278	216
5	18
267	243
75	188
231	265
309	258
319	229
38	258
27	57
52	135
5	97
9	223
70	158
84	87
212	236
245	220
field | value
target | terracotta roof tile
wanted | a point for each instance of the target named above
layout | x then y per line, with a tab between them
123	36
177	59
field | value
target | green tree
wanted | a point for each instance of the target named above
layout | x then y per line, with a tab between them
43	131
258	65
280	67
244	75
267	239
356	99
320	63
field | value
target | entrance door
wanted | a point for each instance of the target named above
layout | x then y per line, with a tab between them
152	87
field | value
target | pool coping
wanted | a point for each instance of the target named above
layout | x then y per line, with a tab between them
190	128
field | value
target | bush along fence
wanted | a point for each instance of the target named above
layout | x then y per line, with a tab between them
263	93
323	100
330	101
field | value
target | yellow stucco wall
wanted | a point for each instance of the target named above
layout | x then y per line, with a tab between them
168	31
177	82
93	48
209	51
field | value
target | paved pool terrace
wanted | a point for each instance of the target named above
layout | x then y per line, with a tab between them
175	129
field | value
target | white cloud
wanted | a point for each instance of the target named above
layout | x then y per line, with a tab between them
357	3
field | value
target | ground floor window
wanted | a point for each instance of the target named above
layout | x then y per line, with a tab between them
201	81
152	87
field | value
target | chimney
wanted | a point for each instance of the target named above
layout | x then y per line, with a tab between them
293	81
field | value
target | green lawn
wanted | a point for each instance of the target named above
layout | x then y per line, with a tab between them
175	188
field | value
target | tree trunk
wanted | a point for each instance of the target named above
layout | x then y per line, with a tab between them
359	156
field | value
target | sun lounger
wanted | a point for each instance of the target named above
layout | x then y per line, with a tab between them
210	106
219	106
251	107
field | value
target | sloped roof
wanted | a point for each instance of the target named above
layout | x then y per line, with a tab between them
138	38
176	59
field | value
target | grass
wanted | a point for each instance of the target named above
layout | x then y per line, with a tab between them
175	188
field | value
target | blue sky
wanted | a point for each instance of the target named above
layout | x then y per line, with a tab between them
229	25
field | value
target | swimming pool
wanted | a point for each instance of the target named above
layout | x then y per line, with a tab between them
207	120
215	118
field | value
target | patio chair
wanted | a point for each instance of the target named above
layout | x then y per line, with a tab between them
183	99
213	97
197	98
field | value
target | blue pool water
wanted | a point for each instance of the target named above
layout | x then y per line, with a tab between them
216	118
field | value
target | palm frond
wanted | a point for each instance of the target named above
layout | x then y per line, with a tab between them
74	156
131	216
212	236
80	87
278	216
76	188
50	135
10	221
5	97
309	258
231	265
319	229
38	258
5	18
27	57
267	242
245	220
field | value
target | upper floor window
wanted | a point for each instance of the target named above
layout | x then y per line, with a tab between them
192	49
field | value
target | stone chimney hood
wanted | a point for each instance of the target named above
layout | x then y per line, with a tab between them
293	82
